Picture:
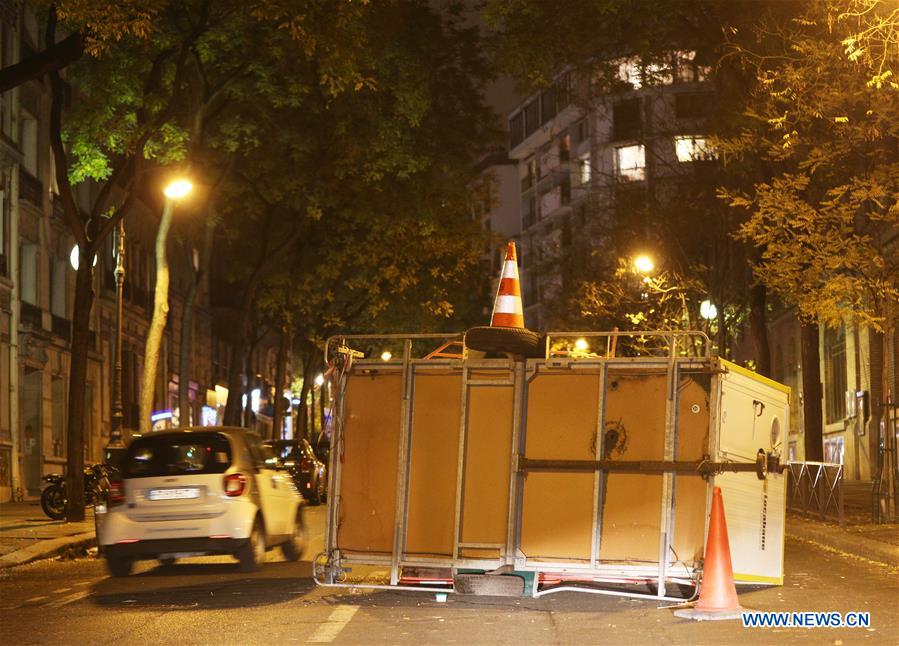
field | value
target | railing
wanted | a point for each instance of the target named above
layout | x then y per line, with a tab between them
816	489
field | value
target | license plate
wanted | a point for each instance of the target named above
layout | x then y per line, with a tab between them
174	494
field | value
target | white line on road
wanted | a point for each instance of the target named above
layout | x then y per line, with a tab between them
38	598
69	599
60	590
336	621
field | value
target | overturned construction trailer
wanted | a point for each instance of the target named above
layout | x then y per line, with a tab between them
583	468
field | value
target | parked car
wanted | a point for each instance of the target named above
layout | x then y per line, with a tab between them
200	491
309	473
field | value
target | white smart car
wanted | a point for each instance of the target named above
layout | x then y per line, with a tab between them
199	491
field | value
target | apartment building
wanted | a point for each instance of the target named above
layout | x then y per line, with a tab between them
584	156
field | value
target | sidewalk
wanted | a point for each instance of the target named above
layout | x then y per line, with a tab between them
878	543
26	534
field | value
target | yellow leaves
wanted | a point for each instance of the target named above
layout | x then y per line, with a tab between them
778	122
841	119
878	80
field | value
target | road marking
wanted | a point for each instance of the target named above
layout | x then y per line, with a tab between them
69	599
60	590
43	596
336	621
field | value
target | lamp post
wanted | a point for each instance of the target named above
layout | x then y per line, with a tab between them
177	190
116	445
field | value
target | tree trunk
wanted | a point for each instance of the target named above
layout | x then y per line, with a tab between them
237	368
758	324
280	377
187	316
157	324
812	393
303	412
81	336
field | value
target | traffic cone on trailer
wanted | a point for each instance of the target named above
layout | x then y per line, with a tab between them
718	595
507	310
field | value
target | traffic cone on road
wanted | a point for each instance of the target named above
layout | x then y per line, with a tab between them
718	595
507	310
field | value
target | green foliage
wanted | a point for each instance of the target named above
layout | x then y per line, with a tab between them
826	222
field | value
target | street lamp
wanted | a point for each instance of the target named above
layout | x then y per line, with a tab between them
707	310
643	264
176	190
116	446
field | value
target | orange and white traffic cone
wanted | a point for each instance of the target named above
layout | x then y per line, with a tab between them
718	596
507	310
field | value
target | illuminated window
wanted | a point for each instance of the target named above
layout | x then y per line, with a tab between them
629	72
583	169
689	148
631	162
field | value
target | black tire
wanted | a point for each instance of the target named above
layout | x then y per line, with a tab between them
511	340
315	497
168	561
294	546
53	502
252	554
119	565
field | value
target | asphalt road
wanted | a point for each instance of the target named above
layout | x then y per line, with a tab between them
208	601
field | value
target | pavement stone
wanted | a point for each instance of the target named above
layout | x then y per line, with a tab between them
26	534
878	543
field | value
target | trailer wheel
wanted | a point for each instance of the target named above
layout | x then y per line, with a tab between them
493	585
505	339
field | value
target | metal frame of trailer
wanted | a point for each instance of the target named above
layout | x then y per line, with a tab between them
685	354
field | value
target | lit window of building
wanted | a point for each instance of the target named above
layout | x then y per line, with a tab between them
631	162
690	148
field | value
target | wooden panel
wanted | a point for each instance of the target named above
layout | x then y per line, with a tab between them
488	455
436	413
689	518
372	416
692	444
557	512
634	430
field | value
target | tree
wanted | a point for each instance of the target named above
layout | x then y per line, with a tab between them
93	27
371	209
826	124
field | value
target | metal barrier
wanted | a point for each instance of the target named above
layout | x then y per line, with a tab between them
816	488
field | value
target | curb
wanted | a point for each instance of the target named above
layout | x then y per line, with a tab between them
837	539
46	549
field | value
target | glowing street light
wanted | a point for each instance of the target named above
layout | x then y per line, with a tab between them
178	189
581	345
707	310
643	264
319	379
386	355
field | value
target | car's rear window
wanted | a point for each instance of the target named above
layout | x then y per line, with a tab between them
181	454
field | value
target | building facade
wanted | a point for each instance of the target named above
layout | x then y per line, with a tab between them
37	286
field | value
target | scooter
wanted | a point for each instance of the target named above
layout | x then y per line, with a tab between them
96	489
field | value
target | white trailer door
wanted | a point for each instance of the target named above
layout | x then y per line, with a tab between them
753	414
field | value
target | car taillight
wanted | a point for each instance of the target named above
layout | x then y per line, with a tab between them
116	492
306	464
235	484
